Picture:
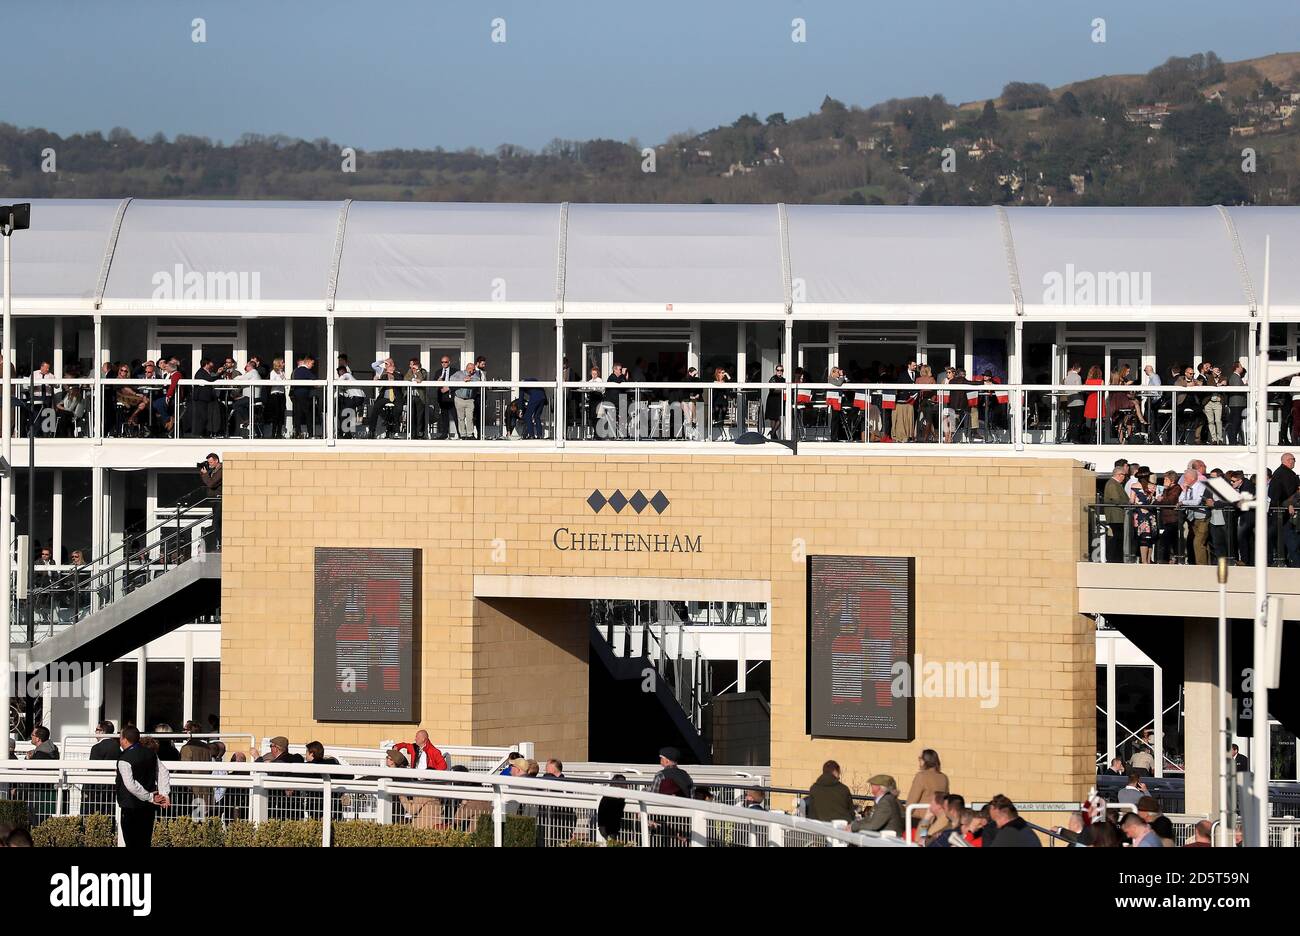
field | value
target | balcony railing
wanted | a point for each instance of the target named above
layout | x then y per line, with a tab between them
1017	416
1176	535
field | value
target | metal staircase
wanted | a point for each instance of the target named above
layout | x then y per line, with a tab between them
157	579
638	651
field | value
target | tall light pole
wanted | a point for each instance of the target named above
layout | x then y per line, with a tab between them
1224	698
12	218
1259	753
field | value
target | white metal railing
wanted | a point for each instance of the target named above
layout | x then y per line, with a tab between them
1024	809
999	414
565	811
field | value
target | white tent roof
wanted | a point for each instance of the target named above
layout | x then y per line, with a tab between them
650	261
1186	256
444	257
182	255
687	261
885	259
57	263
1282	225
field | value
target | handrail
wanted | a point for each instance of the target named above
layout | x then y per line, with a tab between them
254	775
95	567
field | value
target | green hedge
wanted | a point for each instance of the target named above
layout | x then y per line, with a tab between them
13	813
516	832
353	834
75	832
181	832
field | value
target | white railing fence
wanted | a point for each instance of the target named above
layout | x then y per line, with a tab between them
566	812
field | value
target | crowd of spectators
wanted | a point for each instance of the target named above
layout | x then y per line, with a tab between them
1178	517
1137	412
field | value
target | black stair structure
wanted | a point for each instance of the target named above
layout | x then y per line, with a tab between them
158	579
664	693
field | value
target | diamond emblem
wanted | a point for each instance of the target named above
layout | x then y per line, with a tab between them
596	501
659	502
617	501
639	502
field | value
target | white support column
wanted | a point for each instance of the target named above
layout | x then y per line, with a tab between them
97	407
1016	375
93	686
56	514
187	692
968	353
742	664
151	506
57	358
290	363
514	360
141	663
560	409
742	368
787	417
1158	727
330	365
1196	345
1112	698
96	513
1253	433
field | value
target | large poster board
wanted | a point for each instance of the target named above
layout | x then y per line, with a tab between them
861	623
367	603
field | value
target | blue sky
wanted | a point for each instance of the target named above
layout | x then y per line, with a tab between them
424	73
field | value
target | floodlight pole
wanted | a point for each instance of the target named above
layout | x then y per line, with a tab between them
1224	702
1259	754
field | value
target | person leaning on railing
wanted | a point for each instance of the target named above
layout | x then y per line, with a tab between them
1116	499
1193	500
1167	500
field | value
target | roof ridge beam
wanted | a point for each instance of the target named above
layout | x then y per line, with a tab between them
110	248
1239	257
561	257
336	259
1013	265
783	233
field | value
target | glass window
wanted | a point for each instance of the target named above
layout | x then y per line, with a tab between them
126	713
1173	349
76	511
164	694
173	486
266	339
207	694
39	523
1222	344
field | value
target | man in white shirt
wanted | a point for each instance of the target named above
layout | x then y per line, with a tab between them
242	411
1150	398
350	401
1192	500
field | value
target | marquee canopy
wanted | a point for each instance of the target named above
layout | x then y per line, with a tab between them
742	262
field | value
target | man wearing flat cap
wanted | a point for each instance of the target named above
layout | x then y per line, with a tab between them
887	814
671	780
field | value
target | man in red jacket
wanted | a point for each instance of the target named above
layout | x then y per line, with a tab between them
421	754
